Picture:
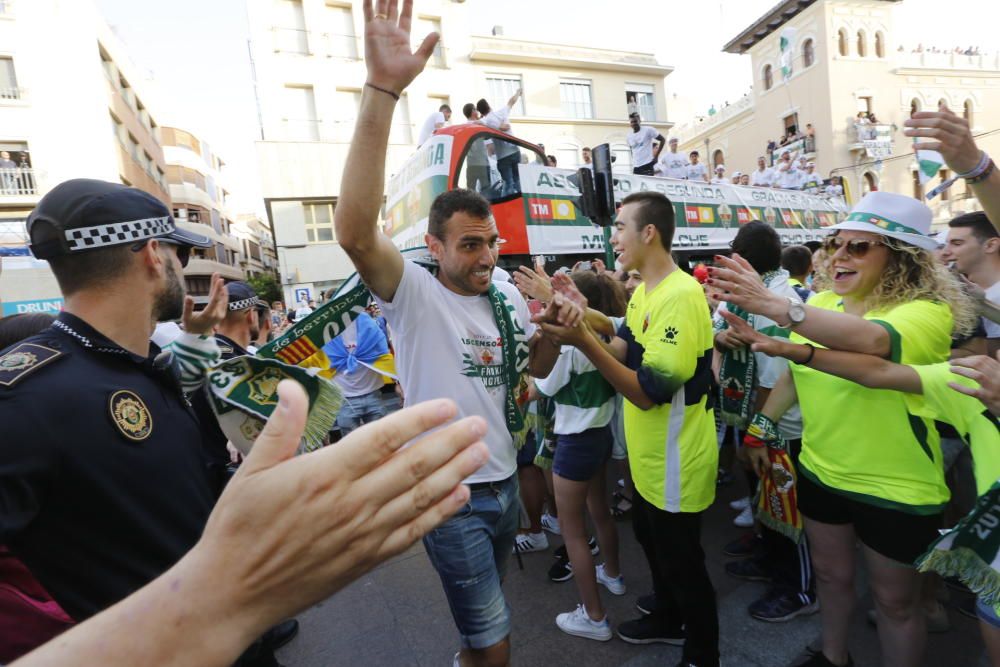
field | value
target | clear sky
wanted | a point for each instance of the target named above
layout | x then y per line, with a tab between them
197	50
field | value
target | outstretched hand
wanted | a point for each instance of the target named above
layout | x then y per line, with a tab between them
984	370
204	321
742	332
564	285
534	282
390	62
290	530
735	281
561	311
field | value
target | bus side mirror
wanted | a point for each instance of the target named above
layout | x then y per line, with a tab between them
597	187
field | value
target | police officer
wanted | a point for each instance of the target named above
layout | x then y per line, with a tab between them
241	326
103	482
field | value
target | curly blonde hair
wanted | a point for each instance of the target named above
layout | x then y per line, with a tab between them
821	271
913	274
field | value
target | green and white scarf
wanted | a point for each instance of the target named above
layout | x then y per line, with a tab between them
971	550
738	371
243	391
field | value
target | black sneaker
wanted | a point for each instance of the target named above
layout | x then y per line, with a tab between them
746	545
647	604
647	630
561	570
560	552
748	569
817	659
780	606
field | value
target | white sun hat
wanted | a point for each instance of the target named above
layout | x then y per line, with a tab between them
896	216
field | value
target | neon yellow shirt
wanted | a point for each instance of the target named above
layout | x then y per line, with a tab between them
978	428
672	447
863	442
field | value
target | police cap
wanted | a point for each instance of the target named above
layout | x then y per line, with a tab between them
87	214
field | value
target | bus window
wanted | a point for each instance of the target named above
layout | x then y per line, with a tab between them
490	167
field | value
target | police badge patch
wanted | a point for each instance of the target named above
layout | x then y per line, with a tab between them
24	359
130	415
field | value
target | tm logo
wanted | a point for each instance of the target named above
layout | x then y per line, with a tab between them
669	336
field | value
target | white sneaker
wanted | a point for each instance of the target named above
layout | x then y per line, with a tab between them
741	504
616	585
551	524
527	542
579	624
745	518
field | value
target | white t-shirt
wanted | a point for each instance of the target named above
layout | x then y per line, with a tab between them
430	125
494	119
304	311
810	182
992	328
787	178
718	180
448	346
762	177
835	190
697	172
363	380
671	165
641	143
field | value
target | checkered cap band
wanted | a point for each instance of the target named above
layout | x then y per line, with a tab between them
243	304
118	233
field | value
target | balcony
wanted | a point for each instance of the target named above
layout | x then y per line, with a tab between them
804	147
959	61
705	123
17	182
875	140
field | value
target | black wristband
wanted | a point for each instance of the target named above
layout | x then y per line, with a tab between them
383	90
812	352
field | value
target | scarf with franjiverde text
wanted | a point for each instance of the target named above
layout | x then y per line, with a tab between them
971	550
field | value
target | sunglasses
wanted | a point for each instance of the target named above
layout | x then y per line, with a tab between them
856	248
183	251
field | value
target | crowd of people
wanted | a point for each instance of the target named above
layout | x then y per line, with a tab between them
137	541
958	50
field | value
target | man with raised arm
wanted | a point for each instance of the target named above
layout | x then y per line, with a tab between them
458	335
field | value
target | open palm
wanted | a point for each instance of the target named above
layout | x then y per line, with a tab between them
391	64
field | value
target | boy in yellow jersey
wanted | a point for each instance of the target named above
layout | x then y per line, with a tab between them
660	362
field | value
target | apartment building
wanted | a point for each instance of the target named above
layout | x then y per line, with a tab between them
76	111
257	253
309	76
847	57
200	197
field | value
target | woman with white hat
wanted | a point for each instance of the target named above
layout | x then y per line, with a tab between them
869	471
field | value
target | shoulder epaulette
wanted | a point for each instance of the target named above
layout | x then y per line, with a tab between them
24	359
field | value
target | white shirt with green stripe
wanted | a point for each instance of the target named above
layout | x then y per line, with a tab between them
583	398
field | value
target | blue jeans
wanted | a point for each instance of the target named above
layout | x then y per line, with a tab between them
470	553
358	410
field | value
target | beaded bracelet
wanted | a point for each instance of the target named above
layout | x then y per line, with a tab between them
986	173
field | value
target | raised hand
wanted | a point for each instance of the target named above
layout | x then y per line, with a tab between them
564	285
534	283
984	370
948	133
204	321
734	281
391	65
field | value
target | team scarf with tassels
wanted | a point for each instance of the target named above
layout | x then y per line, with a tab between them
971	550
306	338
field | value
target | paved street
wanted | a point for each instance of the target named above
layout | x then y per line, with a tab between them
397	615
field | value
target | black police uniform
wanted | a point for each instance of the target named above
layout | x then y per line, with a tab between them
103	482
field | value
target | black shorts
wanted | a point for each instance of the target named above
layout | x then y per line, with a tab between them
898	535
526	455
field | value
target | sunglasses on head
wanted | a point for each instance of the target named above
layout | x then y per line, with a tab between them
856	248
183	251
